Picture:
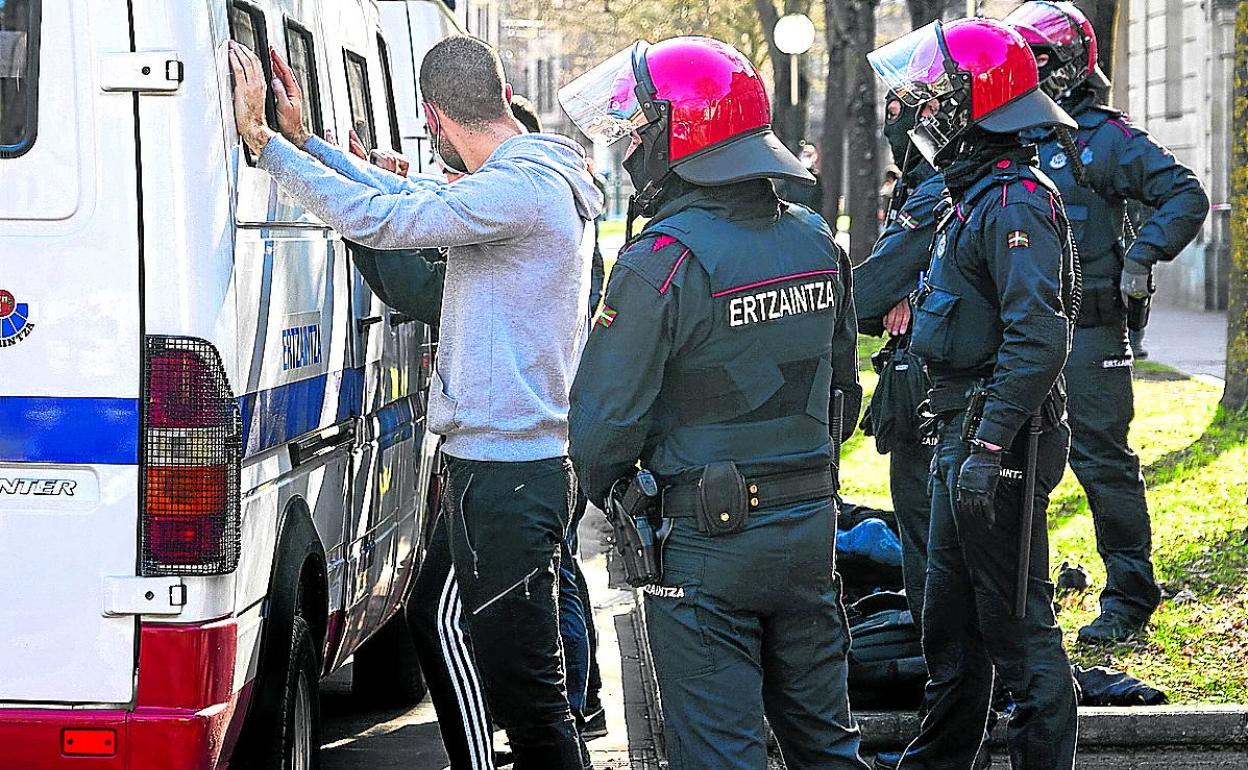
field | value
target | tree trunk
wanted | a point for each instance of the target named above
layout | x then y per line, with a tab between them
1236	395
787	120
832	144
923	12
864	133
1102	14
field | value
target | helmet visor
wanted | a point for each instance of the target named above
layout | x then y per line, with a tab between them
603	102
915	67
1048	23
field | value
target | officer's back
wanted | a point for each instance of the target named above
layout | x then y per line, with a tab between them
735	310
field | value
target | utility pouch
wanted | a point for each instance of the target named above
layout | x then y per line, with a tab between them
974	413
1138	311
1100	306
722	505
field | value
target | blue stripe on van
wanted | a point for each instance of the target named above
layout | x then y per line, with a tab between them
394	423
105	431
79	431
274	416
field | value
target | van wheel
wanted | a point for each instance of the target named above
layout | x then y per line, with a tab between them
300	735
386	670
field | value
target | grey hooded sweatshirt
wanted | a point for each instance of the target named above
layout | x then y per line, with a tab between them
521	238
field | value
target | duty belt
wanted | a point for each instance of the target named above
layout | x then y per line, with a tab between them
770	491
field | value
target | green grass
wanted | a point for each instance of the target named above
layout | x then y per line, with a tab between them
1195	460
613	227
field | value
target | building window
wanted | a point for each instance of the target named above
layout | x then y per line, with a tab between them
1174	59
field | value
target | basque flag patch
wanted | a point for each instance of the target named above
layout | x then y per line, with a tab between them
605	317
1019	239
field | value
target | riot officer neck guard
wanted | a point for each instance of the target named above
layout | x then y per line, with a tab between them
979	154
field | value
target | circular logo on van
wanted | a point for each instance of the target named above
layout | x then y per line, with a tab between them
15	324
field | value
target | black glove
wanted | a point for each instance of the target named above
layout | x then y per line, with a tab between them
977	484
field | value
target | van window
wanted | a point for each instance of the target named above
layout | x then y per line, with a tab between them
19	75
247	27
302	58
361	99
396	142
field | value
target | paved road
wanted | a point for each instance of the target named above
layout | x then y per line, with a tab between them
358	737
1190	341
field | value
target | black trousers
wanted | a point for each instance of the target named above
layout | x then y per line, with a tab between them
435	615
747	625
969	626
1101	405
909	466
506	523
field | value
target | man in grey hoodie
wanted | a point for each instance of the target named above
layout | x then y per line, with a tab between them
520	230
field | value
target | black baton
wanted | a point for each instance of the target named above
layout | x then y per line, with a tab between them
1029	513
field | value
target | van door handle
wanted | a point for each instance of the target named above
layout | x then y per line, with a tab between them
363	324
326	441
398	319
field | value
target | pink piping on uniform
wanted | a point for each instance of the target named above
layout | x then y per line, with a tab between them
1005	189
679	260
1052	208
958	210
1121	128
769	281
662	242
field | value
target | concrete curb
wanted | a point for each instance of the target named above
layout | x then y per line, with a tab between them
1207	727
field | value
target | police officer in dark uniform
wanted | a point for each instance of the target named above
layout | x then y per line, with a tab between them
727	325
882	288
1118	162
992	322
883	285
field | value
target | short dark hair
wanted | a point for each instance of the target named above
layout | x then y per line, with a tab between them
523	110
463	77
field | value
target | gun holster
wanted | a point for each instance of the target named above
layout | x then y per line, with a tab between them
629	506
722	502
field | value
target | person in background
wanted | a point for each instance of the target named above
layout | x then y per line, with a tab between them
518	228
808	195
1110	162
992	322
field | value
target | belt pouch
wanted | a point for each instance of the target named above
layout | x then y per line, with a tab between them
721	505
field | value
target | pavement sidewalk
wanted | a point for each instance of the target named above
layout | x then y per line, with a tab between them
1191	341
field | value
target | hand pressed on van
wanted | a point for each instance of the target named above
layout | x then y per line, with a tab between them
249	92
289	98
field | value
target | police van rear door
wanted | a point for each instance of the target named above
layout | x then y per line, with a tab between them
70	334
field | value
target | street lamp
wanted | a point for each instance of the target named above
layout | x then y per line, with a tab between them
794	33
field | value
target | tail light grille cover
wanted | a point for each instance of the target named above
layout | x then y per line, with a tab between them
192	450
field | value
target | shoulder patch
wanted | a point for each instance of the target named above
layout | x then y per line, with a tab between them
1018	239
656	260
605	317
907	221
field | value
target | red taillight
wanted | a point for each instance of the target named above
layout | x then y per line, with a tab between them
89	743
192	440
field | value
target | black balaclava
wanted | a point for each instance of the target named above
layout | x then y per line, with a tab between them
898	135
976	152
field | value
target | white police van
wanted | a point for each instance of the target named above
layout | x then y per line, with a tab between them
213	463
